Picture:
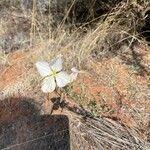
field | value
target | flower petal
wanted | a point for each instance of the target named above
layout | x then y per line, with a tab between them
74	70
62	79
48	85
43	68
56	64
74	74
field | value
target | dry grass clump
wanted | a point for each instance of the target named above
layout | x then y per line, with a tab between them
106	134
111	24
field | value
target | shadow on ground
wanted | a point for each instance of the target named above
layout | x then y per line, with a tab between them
23	128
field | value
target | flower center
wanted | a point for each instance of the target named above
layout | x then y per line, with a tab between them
54	73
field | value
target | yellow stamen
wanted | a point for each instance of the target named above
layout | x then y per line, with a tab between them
54	73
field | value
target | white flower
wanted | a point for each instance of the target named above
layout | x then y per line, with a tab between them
52	74
74	74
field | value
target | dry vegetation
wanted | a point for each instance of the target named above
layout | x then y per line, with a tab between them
108	40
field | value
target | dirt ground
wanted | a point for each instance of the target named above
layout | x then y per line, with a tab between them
123	97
